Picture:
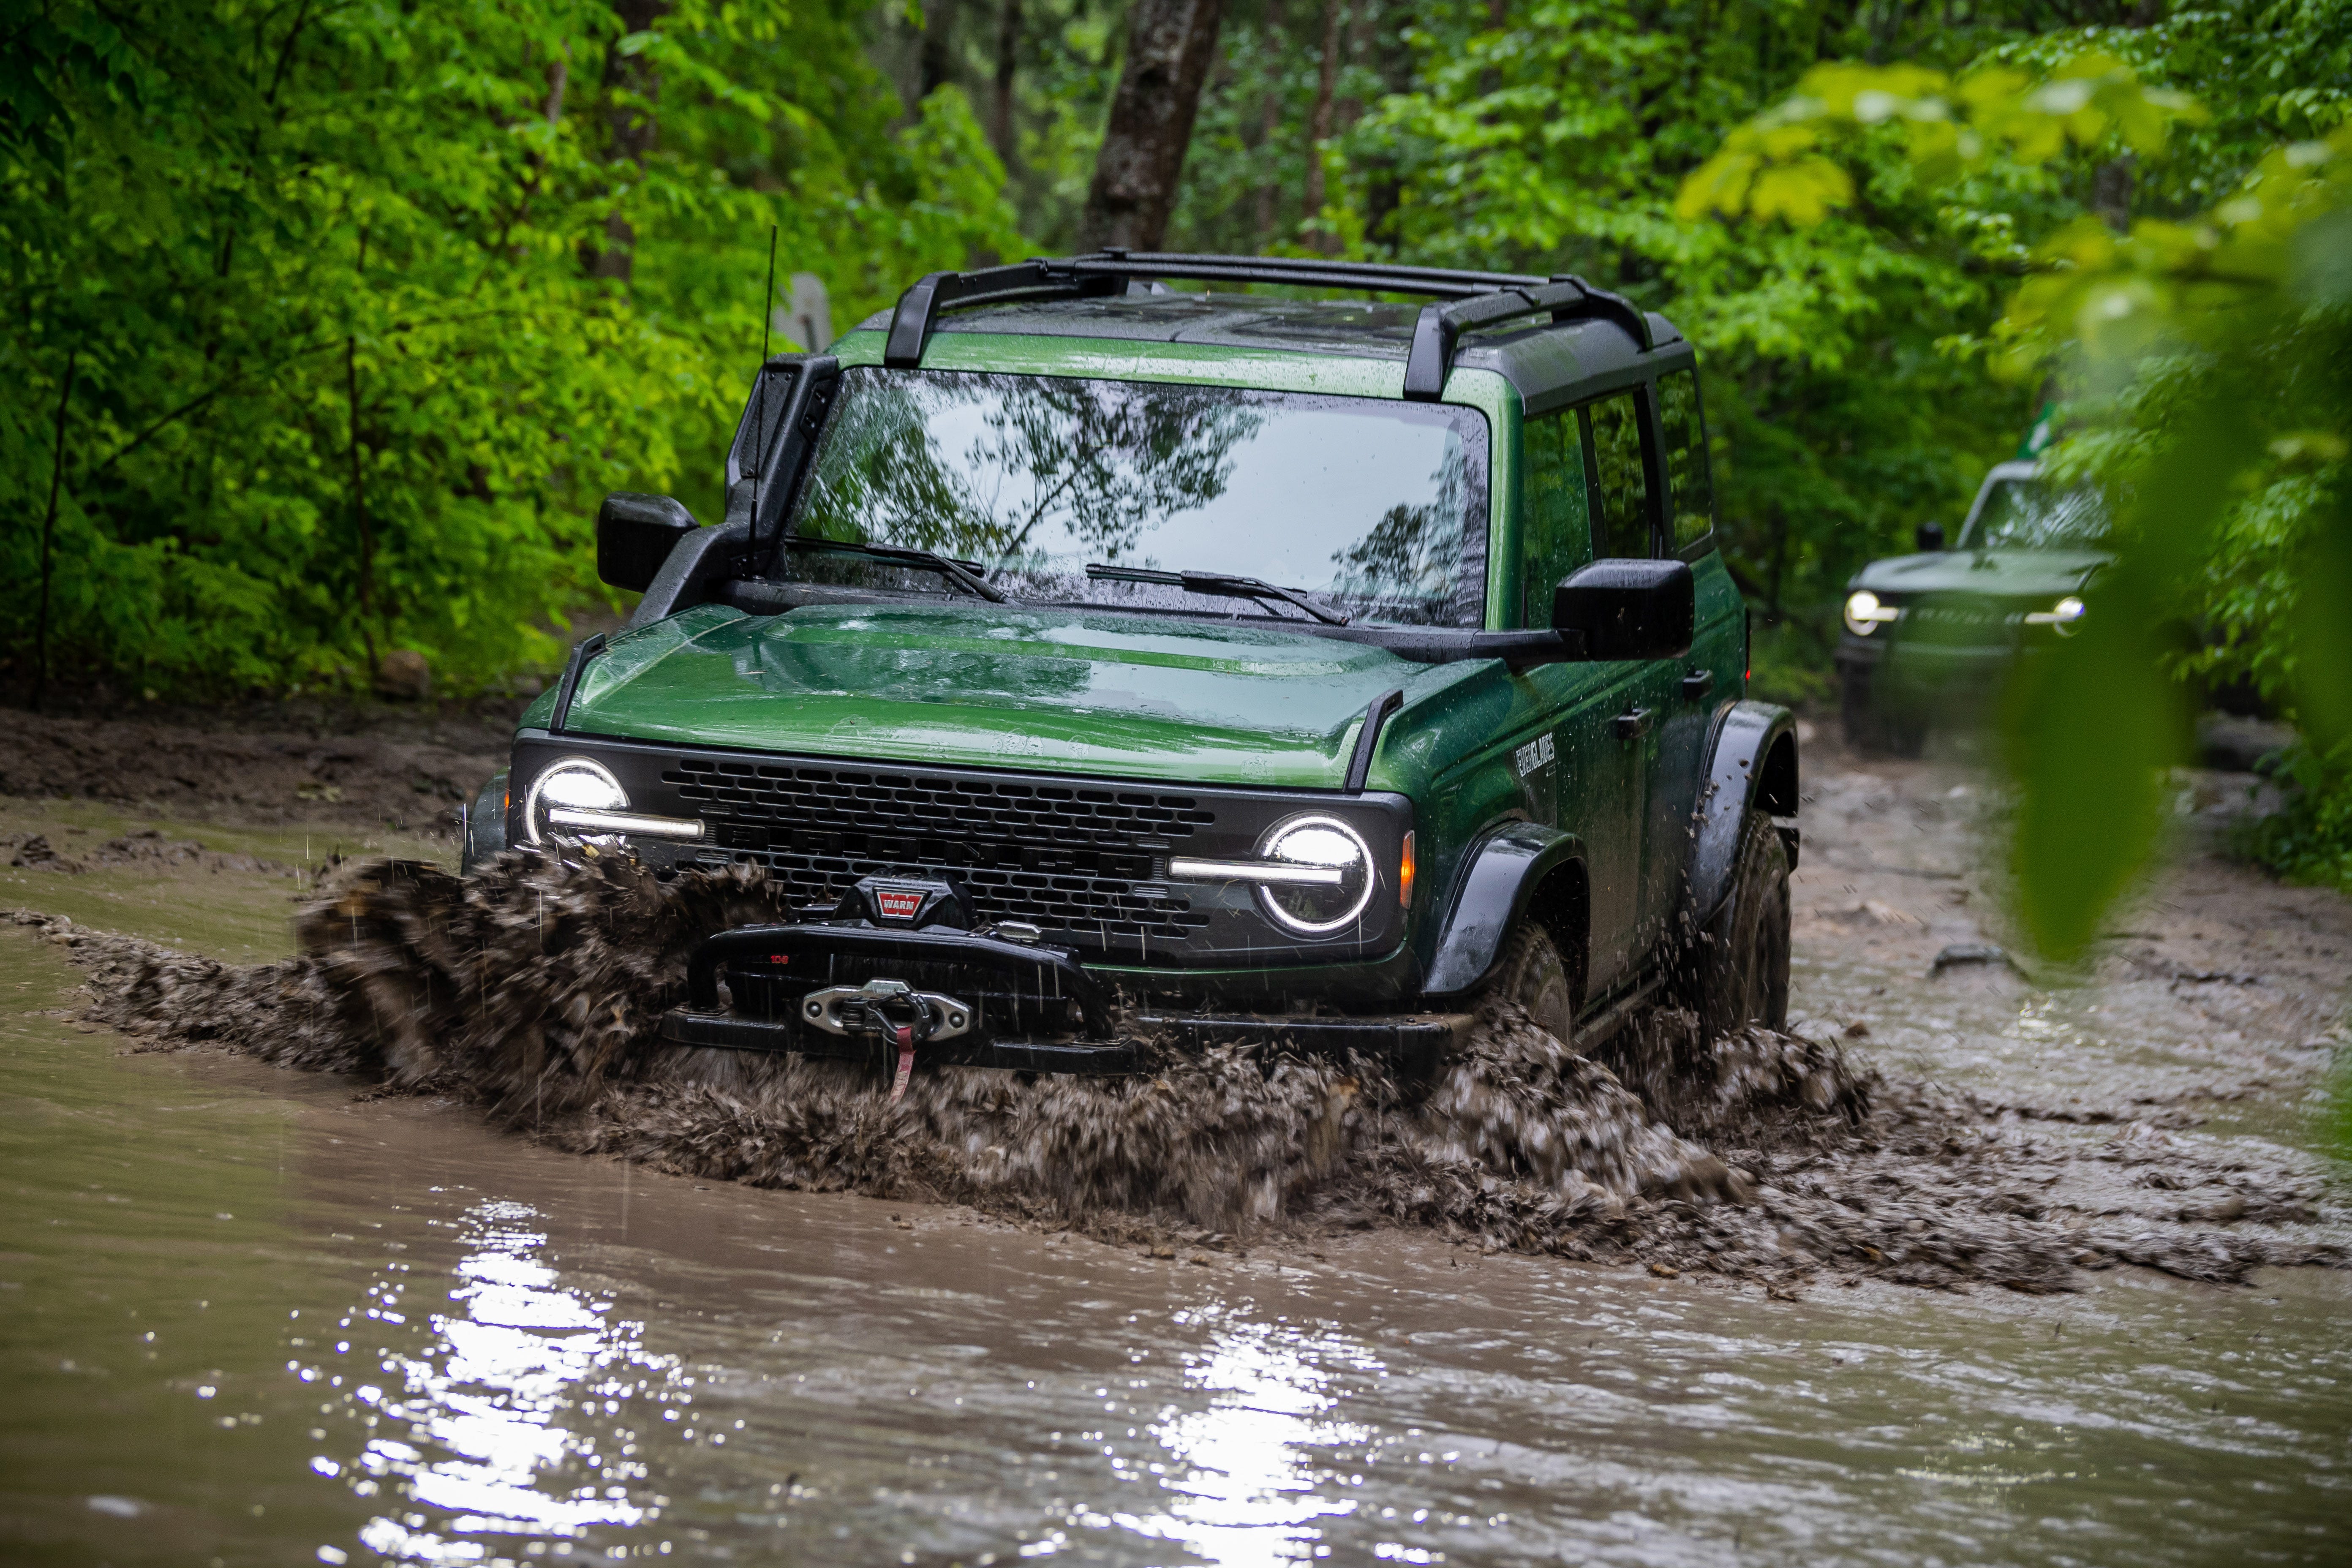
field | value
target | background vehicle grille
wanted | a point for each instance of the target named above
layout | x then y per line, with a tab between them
1074	859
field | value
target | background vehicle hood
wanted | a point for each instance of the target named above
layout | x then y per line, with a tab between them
993	686
2005	572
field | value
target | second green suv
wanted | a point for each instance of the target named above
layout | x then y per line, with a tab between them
1930	636
1100	667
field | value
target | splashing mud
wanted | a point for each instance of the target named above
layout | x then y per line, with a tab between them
533	991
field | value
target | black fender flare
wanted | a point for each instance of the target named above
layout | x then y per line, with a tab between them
1499	876
483	834
1751	762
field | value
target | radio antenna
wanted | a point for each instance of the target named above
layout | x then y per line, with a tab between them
760	417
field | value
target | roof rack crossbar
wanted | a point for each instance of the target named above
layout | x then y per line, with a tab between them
919	305
1466	301
1564	298
1296	271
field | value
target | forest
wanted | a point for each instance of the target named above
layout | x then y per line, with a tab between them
328	324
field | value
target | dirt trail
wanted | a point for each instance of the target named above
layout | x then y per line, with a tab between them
407	768
2239	983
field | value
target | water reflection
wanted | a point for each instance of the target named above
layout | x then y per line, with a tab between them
1242	1463
473	1436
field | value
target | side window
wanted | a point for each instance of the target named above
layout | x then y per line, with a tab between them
1554	523
1691	514
1621	486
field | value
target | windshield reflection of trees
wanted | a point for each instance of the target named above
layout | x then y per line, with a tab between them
1408	569
1029	479
2028	516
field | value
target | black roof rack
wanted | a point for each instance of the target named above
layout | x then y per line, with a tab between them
1463	300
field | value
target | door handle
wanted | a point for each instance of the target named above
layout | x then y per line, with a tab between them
1698	684
1633	724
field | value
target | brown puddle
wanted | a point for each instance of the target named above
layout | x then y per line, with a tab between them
506	1352
532	991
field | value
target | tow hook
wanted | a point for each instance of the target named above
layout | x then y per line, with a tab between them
901	1014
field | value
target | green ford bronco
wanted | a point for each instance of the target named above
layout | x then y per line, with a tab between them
1931	636
1093	663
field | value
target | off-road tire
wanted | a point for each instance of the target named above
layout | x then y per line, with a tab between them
1869	728
1737	972
1532	974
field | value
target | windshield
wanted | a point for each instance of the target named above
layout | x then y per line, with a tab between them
2026	514
1369	508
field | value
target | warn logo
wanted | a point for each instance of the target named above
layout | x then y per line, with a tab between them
904	901
898	904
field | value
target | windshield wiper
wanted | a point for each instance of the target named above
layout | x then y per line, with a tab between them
1223	584
955	572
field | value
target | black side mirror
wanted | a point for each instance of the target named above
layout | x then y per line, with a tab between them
1628	609
633	536
1930	538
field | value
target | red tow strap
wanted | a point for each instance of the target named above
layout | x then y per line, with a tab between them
904	1034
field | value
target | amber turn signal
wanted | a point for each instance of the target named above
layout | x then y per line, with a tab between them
1404	874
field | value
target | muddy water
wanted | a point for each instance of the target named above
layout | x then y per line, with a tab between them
249	1317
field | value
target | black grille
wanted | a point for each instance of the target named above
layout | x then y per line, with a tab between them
1076	860
1963	614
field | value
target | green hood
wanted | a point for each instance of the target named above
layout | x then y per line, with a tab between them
993	685
2002	574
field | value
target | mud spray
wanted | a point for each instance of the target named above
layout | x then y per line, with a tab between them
533	991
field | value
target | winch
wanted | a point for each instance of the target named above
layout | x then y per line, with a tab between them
893	1009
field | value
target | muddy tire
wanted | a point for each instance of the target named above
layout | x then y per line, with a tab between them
1738	969
1869	728
1533	974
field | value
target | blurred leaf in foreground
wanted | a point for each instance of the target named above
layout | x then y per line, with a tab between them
2092	722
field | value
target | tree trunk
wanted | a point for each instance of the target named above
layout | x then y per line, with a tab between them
1008	63
936	62
1169	46
359	510
49	535
1318	122
2111	193
1269	127
632	127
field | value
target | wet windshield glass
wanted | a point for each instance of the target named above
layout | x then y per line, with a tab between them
2026	514
1374	509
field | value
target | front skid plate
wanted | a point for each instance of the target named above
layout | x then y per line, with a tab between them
1411	1043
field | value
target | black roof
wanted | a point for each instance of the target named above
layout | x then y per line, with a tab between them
1544	336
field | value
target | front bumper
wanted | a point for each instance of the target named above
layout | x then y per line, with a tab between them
1020	1006
1922	671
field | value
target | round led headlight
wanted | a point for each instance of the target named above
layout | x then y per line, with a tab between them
1863	613
576	782
2065	618
1334	881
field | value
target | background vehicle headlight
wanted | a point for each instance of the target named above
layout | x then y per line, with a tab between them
1864	614
1325	904
2065	618
574	781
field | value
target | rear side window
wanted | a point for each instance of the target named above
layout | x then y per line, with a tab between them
1620	483
1690	513
1555	523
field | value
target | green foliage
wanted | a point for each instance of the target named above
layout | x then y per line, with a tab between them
2210	358
2310	840
367	306
1783	165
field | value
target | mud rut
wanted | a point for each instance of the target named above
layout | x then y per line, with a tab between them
531	992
